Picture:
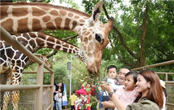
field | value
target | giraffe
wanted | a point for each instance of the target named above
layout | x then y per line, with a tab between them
44	58
25	17
33	41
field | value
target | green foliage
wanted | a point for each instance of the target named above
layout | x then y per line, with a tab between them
129	16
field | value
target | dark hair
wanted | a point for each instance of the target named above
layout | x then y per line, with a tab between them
74	92
111	66
134	74
155	93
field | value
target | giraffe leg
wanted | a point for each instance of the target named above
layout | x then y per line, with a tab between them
16	77
6	99
6	96
15	99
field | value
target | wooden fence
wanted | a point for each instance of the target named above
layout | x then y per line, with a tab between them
39	86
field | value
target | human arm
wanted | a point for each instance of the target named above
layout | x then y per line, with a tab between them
114	98
108	104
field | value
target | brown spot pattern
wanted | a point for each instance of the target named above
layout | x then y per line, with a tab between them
83	32
54	13
66	45
32	35
37	12
3	12
67	21
62	12
58	47
89	55
22	25
58	22
40	42
87	33
71	47
19	11
8	24
84	47
81	20
32	43
90	47
50	25
76	17
90	37
74	24
46	18
36	26
86	40
70	14
64	49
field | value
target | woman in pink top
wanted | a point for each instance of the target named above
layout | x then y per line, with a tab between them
127	94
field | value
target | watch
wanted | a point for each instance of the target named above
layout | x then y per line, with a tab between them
110	94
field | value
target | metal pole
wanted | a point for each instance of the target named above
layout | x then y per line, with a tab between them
69	67
70	76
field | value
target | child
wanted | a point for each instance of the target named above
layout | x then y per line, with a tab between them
127	94
111	80
58	99
112	74
73	98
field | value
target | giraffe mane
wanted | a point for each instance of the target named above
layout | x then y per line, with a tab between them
58	39
45	4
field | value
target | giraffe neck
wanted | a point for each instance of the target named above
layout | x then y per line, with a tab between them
36	40
24	17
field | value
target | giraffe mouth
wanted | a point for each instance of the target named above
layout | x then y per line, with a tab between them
93	73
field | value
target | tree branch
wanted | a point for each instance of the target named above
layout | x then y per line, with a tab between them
121	59
120	36
69	38
142	57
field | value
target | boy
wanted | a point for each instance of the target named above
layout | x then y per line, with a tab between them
111	79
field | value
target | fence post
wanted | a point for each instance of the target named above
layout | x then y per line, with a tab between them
40	90
52	84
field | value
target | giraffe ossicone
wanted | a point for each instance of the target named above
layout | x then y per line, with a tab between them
25	17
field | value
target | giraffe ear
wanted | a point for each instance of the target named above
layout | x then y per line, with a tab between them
97	10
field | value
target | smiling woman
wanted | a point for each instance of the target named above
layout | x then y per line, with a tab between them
151	95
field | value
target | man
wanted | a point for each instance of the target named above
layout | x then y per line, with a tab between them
121	75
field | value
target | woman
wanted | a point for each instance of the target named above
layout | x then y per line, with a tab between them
149	88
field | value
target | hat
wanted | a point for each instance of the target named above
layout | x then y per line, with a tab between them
162	83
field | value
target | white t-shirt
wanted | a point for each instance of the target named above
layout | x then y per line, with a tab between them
58	97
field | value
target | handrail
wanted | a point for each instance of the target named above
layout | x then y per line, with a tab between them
17	87
34	72
7	37
155	65
169	73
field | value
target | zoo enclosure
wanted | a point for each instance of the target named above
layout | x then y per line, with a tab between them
39	86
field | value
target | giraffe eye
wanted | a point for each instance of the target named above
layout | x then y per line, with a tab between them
98	37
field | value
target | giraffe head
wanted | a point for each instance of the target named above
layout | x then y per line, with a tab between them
94	38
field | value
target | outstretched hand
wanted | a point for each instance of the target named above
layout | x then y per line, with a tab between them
106	86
